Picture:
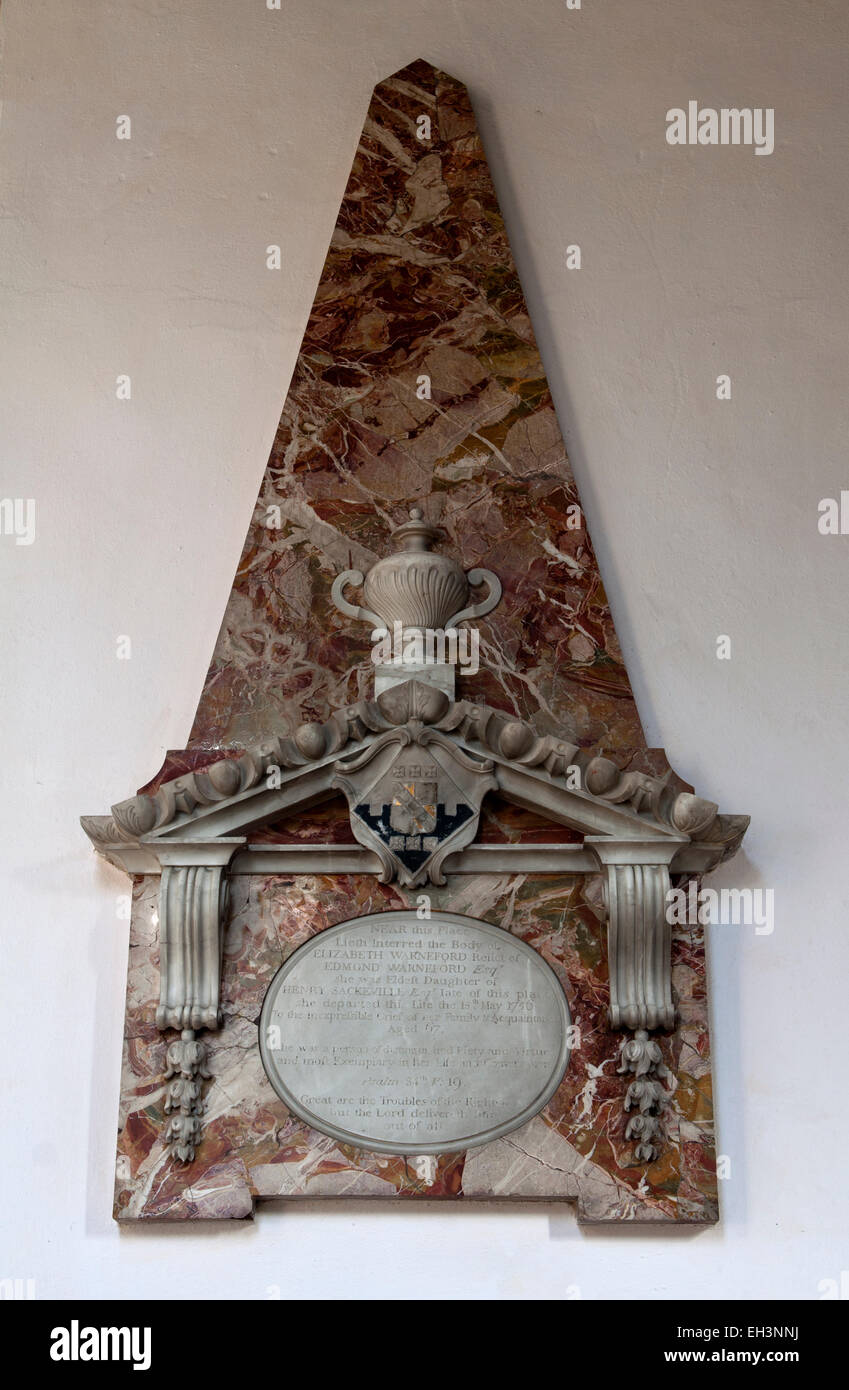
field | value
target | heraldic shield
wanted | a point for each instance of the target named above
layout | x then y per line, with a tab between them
416	803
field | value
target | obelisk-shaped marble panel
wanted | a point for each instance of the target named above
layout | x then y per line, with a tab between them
418	382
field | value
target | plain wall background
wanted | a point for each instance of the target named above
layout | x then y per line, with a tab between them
147	257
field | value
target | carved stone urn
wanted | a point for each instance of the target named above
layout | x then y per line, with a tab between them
417	587
416	592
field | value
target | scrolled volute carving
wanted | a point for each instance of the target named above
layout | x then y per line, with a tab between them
639	935
681	810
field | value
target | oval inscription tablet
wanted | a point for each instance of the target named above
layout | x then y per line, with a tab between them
410	1036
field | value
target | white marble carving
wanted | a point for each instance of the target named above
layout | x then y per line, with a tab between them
416	591
636	829
415	765
641	1057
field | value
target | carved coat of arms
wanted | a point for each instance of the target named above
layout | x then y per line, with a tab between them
415	804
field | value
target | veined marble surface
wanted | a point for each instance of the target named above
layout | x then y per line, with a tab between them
253	1148
419	282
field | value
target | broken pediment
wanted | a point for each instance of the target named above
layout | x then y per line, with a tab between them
416	707
574	787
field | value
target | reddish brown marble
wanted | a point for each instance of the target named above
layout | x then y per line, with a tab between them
419	279
253	1148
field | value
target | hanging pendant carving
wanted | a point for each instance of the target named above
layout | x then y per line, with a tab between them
186	1061
193	901
646	1095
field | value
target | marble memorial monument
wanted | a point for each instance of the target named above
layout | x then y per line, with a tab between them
400	922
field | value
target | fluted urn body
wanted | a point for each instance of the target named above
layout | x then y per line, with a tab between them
416	587
415	601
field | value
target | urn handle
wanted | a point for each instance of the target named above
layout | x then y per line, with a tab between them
353	610
477	610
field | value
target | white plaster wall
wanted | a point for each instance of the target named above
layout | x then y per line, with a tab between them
147	257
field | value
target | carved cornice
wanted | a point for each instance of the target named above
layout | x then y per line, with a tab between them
513	743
